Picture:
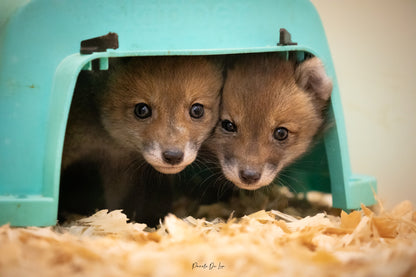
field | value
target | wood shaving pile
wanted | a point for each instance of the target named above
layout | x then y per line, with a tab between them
265	243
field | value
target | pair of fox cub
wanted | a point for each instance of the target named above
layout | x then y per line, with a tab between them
253	114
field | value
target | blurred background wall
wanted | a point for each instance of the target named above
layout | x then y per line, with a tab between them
373	46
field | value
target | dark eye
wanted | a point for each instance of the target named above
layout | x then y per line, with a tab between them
196	111
228	126
142	110
280	133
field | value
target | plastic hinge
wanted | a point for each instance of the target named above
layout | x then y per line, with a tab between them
99	44
285	38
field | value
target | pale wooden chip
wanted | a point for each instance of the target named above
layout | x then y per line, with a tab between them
350	221
266	243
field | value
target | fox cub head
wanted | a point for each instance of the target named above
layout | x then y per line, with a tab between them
270	112
163	107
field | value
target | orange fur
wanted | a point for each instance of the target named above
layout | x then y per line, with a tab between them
263	92
103	128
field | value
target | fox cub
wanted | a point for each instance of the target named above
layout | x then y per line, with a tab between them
143	111
270	112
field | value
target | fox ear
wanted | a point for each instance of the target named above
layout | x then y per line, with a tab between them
310	75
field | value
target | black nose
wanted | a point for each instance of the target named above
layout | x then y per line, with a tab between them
172	156
249	176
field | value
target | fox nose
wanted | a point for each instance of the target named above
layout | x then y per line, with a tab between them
172	156
249	176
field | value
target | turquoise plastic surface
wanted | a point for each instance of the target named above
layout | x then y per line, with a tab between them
40	62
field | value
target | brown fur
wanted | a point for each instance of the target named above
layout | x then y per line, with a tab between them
103	128
261	93
170	85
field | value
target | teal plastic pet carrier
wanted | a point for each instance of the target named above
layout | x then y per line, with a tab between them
40	61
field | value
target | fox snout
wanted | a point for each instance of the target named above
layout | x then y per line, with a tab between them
248	176
173	156
170	159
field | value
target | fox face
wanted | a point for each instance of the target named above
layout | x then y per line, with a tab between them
271	110
163	107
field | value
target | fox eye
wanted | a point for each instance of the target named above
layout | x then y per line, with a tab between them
142	110
228	126
196	111
281	133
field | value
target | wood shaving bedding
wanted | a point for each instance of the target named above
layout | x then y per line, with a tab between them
266	243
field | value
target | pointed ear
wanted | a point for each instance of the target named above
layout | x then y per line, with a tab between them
310	75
